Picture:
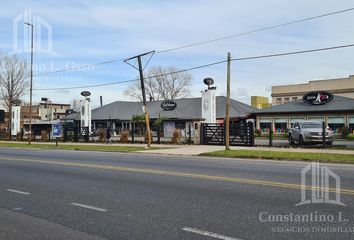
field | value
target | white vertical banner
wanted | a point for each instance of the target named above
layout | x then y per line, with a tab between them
85	115
16	120
88	106
209	106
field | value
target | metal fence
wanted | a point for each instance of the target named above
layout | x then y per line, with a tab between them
241	133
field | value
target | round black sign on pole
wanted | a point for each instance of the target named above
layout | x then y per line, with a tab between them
208	81
318	98
16	102
85	93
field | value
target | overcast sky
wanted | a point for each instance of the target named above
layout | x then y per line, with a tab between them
85	32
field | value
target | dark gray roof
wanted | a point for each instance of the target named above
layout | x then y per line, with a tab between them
117	110
73	116
338	104
187	108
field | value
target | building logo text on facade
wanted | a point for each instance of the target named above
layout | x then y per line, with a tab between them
317	98
168	105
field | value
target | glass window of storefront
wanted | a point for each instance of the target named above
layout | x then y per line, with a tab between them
265	124
351	124
280	125
317	119
293	120
336	123
168	128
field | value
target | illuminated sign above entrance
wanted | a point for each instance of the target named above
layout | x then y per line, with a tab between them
318	98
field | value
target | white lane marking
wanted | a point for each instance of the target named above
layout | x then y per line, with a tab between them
17	209
17	191
209	234
89	207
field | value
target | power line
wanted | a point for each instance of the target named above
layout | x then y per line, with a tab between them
132	80
206	65
294	53
256	30
203	42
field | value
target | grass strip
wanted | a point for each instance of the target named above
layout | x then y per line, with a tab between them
103	148
278	155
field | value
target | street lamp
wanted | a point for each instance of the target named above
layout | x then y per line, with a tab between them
31	80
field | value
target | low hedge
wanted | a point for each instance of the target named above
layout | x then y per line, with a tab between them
350	136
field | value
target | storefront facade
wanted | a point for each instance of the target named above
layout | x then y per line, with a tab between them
336	113
186	113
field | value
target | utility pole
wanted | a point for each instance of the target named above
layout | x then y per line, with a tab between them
141	75
227	119
10	108
31	80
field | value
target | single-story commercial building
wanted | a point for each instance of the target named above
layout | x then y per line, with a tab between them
177	114
336	111
182	112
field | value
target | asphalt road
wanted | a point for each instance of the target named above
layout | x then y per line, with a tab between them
91	195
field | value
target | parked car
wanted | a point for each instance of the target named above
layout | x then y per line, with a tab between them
309	132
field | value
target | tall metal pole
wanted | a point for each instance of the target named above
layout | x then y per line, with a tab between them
10	108
227	119
147	119
31	80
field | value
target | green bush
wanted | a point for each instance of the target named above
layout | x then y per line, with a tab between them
286	135
139	118
158	123
345	132
350	136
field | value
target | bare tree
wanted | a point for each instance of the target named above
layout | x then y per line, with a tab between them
162	84
75	104
14	82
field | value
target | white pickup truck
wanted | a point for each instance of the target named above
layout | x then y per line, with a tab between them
309	132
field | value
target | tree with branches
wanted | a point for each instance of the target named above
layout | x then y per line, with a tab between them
162	83
14	81
75	104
